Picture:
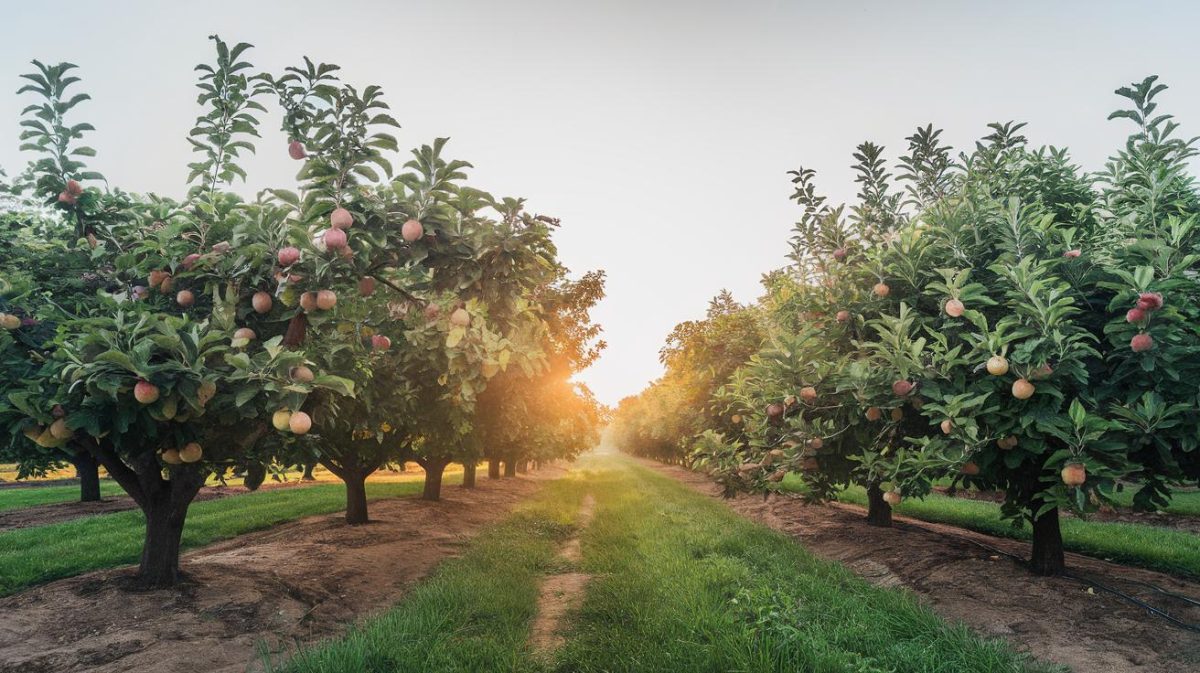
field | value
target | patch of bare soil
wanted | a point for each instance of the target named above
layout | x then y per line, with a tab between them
1054	619
41	515
561	592
1183	522
292	584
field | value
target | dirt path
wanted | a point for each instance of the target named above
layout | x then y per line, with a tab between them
1054	619
294	583
561	592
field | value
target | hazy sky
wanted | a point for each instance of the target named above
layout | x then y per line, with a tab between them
659	131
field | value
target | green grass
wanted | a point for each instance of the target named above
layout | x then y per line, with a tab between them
680	583
39	554
1154	547
34	496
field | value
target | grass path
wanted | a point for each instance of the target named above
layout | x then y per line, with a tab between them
39	554
1165	549
679	582
36	496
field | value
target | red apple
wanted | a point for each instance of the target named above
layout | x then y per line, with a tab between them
412	231
308	302
969	468
244	333
190	260
366	286
262	302
340	218
335	239
881	290
145	392
1074	474
1135	315
301	374
843	316
296	150
326	299
460	317
1072	254
300	423
185	298
839	254
380	342
808	393
954	308
1150	301
1022	389
1141	342
775	410
289	256
892	498
902	388
874	413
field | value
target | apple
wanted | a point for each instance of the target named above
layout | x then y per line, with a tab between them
843	316
167	284
1141	343
1022	389
969	468
59	429
340	218
282	420
9	321
881	289
262	302
221	248
839	254
1072	254
897	415
366	286
1007	443
736	419
997	365
816	443
1150	301
892	498
145	392
308	302
1074	474
170	457
380	342
808	393
775	410
64	197
296	150
185	298
947	425
301	374
157	276
326	299
244	333
955	308
432	311
191	453
874	413
412	231
460	317
190	261
1041	372
300	423
1135	315
789	401
335	239
205	392
288	256
902	388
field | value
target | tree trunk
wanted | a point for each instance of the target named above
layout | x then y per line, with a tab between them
166	511
88	471
1047	557
296	329
879	513
510	468
522	466
308	472
469	474
493	468
433	478
256	474
356	497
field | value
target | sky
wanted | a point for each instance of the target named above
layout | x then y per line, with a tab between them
659	131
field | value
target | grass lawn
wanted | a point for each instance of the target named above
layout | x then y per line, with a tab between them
1147	546
679	583
39	554
34	496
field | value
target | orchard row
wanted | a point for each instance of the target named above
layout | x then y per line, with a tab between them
996	317
371	316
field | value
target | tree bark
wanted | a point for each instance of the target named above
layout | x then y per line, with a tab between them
469	474
296	330
879	513
510	468
354	474
493	468
1047	557
308	472
256	474
522	466
434	467
88	471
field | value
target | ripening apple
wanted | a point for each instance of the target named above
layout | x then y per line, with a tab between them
1150	301
380	343
191	453
839	254
296	150
288	256
1022	389
816	443
736	419
300	423
1141	343
9	321
897	415
170	457
947	425
190	261
1074	474
902	388
244	333
1072	254
969	468
60	430
335	239
301	374
205	392
340	218
156	277
366	286
308	302
262	302
460	317
221	248
997	365
412	231
789	401
874	413
881	289
432	311
955	308
1135	315
185	298
808	393
167	284
843	316
892	498
775	410
145	392
326	299
282	420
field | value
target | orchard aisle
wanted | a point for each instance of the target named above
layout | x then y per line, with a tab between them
291	584
1054	619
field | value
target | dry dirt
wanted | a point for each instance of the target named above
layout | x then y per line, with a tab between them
291	584
1054	619
561	592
